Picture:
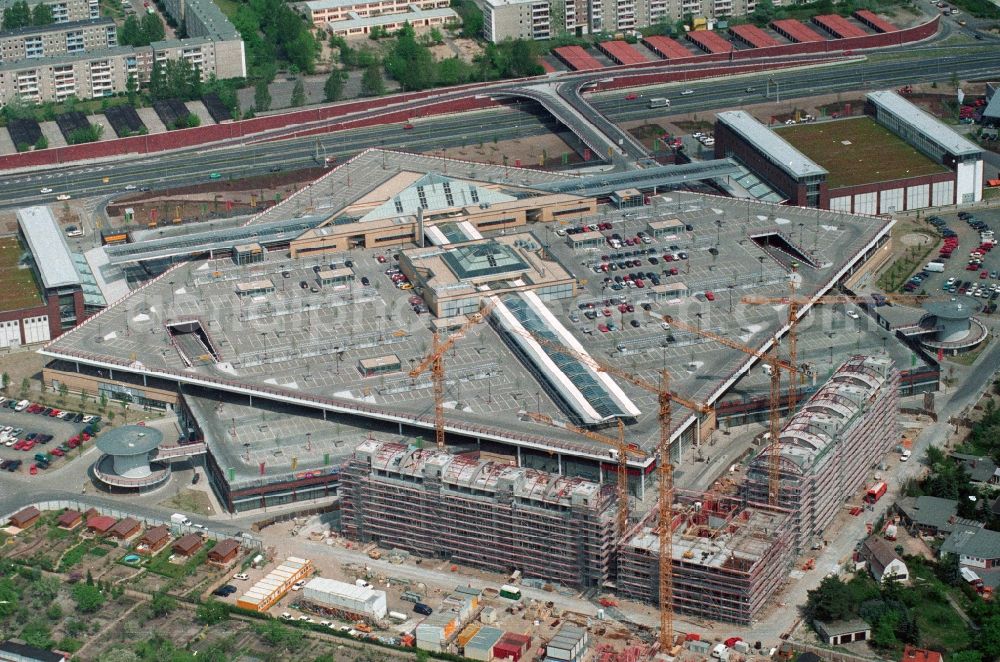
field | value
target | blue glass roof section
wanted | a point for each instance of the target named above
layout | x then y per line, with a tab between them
577	373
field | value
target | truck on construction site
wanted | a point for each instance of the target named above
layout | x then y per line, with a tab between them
876	492
410	596
510	592
179	518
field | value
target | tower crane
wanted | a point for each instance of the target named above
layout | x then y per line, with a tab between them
665	470
774	428
795	303
435	361
623	450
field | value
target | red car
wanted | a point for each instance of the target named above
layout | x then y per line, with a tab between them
54	413
18	445
27	445
673	271
972	267
57	452
380	258
983	275
710	296
33	470
631	96
602	328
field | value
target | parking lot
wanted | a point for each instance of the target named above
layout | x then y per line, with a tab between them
970	268
24	435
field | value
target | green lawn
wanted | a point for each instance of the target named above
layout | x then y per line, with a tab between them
941	627
19	287
161	565
858	150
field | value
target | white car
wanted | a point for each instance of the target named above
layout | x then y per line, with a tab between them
63	196
285	616
853	315
241	576
687	92
130	187
297	586
46	190
905	455
697	134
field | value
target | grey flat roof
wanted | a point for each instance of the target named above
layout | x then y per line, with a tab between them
390	19
781	151
974	542
129	440
65	26
929	126
68	58
48	247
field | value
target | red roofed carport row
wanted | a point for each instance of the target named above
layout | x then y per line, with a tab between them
753	36
621	52
666	47
874	22
838	26
710	42
796	31
576	58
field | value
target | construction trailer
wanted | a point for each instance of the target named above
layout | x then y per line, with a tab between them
729	558
480	513
831	444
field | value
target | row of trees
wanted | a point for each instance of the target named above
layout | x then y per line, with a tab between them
20	15
136	32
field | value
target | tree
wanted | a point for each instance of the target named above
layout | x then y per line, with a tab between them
37	633
763	13
130	33
372	84
119	655
54	612
5	381
63	392
88	598
830	601
333	88
158	81
132	90
25	387
162	604
989	634
298	94
152	28
17	16
211	612
411	63
262	97
41	15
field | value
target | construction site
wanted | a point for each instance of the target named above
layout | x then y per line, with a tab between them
830	445
535	403
729	558
480	513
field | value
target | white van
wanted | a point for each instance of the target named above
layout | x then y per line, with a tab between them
22	405
936	267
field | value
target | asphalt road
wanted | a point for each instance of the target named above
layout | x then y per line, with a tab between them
193	166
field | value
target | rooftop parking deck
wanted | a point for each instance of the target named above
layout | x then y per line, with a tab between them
299	342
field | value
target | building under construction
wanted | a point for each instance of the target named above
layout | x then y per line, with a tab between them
484	514
830	445
729	559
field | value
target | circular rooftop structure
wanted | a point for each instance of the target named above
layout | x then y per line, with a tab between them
955	329
127	456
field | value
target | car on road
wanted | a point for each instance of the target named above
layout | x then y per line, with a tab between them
853	314
73	231
687	92
242	576
304	285
46	190
710	295
225	591
63	196
365	281
130	187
